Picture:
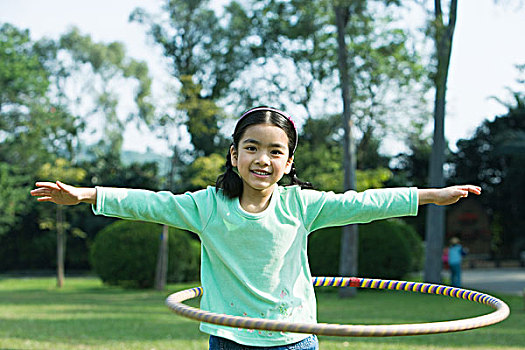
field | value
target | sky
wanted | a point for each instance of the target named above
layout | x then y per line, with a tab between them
488	43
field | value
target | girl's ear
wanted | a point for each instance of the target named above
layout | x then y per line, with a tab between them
233	155
288	166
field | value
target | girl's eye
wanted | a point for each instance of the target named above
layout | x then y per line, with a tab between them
277	152
250	148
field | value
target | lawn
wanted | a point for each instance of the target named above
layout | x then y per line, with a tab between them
34	314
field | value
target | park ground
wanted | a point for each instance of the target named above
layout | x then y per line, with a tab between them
85	314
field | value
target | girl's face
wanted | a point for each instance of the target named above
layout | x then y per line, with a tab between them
262	157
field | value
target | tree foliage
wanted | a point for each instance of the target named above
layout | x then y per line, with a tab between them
40	123
493	158
91	73
22	77
203	171
206	55
319	158
31	126
13	191
387	77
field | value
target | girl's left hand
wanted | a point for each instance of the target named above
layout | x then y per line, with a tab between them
447	195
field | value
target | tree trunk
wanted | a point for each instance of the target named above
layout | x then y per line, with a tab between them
61	245
161	272
435	221
349	237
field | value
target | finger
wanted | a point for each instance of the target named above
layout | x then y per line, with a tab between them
44	199
473	189
40	192
64	187
47	185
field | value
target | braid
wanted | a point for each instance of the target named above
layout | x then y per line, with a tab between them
295	180
229	181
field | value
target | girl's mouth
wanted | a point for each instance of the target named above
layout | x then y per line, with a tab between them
260	173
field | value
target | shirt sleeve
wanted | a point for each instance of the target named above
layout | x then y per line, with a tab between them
324	209
189	211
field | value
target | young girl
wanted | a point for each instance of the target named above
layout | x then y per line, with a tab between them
253	231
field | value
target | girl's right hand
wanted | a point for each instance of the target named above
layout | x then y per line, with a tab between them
60	193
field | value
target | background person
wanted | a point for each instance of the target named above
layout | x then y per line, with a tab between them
455	258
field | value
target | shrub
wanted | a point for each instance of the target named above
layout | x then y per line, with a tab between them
387	249
125	254
324	251
415	244
384	250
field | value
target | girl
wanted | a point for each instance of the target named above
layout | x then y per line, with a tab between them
253	231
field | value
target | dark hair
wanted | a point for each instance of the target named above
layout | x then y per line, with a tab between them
230	182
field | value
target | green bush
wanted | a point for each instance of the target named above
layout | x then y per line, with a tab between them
415	244
193	266
384	251
125	254
323	251
387	249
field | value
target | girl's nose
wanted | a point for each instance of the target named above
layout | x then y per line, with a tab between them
263	159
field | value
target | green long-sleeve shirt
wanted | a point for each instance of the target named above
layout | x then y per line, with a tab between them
256	265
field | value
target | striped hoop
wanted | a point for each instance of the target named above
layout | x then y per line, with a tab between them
502	311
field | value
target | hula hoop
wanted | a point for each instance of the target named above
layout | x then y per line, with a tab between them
174	302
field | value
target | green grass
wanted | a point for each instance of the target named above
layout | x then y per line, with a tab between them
34	314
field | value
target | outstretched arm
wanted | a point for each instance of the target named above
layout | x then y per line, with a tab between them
60	193
447	195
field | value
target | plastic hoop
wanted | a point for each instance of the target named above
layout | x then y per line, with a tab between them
174	302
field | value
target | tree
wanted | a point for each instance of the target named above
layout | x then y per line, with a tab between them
300	37
44	87
60	169
87	74
493	158
345	11
206	56
320	158
31	124
321	155
442	32
297	54
22	80
349	237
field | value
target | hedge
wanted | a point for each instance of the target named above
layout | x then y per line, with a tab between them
125	254
387	249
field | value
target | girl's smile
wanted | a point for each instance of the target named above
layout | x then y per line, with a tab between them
260	173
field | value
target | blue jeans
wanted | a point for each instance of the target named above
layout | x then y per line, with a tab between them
218	343
455	275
